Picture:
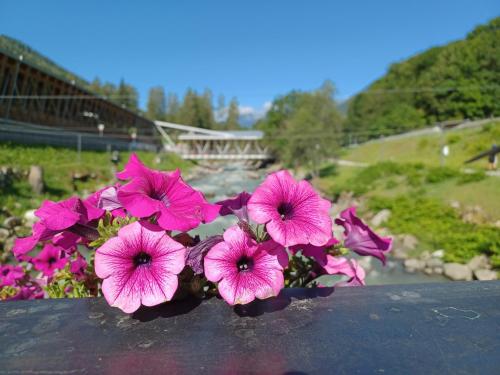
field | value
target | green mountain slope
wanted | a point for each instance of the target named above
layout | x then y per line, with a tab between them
456	81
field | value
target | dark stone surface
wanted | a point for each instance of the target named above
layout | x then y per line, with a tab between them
449	328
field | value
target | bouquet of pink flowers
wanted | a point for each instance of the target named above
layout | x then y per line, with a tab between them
130	243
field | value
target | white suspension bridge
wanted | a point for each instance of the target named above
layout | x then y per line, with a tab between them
205	144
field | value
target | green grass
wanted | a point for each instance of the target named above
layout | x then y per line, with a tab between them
463	144
59	165
393	179
439	227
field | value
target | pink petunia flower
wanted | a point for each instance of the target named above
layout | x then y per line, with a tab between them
140	265
9	274
62	215
50	259
196	253
78	267
348	267
107	199
244	269
33	291
319	253
292	211
236	206
360	238
176	205
72	216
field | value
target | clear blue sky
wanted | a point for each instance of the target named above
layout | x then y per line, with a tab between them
253	50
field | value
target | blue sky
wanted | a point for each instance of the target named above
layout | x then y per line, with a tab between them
253	50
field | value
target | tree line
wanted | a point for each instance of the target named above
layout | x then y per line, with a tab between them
195	109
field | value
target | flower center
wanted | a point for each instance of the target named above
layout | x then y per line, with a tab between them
5	272
142	259
162	197
244	264
285	210
52	260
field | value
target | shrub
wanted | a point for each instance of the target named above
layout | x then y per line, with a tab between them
439	226
476	176
440	174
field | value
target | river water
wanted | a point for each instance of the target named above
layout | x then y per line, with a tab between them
231	179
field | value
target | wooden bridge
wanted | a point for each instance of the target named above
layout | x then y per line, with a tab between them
205	144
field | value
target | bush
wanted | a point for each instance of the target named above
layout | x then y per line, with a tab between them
453	138
466	178
440	174
437	225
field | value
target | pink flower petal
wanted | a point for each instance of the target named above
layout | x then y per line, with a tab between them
134	196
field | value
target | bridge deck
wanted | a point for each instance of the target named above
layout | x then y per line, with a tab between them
449	328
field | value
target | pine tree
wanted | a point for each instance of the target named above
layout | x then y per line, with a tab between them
156	106
232	115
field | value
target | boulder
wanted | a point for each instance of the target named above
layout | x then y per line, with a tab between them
485	275
434	262
412	265
428	271
8	245
479	262
399	253
438	253
4	234
438	270
409	241
425	255
29	218
457	271
381	217
35	179
12	222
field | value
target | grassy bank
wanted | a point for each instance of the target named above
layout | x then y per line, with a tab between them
420	193
463	144
59	166
419	198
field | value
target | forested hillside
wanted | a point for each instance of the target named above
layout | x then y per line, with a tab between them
456	81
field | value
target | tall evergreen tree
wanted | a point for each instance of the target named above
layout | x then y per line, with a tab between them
173	108
233	115
156	105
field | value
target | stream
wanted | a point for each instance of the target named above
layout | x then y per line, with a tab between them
231	179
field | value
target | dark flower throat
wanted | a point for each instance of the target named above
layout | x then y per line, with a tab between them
244	264
142	259
285	210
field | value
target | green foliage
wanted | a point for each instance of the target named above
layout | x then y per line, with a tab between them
108	227
456	81
233	115
475	176
59	164
328	170
157	105
196	110
303	128
368	178
437	225
64	285
440	174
